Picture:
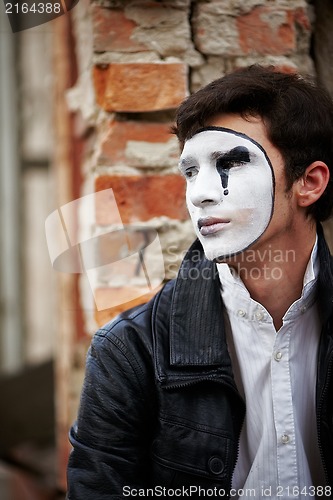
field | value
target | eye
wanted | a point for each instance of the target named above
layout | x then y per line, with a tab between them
227	165
236	157
190	172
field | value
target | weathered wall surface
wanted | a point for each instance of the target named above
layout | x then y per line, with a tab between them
137	60
140	60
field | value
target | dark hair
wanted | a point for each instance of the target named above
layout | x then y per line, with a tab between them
297	113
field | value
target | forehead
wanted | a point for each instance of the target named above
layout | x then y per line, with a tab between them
212	140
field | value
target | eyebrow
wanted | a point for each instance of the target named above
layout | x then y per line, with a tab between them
184	162
237	154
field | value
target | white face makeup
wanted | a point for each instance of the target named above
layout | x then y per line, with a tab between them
230	190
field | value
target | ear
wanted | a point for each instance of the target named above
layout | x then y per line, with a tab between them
312	184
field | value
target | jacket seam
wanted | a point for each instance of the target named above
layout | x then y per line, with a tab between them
122	348
131	318
197	427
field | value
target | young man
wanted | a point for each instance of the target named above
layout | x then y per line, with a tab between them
222	385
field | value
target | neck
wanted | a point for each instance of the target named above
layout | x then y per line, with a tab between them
274	274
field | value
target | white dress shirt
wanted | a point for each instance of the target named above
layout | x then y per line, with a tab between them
275	371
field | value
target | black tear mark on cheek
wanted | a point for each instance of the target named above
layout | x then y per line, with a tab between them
225	162
224	180
223	169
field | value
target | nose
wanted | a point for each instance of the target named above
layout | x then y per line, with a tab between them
206	190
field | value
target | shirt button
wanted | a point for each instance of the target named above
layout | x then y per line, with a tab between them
241	313
259	315
285	438
215	465
303	309
278	356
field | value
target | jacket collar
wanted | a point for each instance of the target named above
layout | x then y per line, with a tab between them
189	341
197	326
197	334
325	292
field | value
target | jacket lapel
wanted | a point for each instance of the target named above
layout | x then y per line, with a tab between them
197	327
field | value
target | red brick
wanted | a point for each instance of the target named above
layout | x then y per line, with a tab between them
286	68
136	87
113	147
260	31
302	19
140	198
112	31
125	294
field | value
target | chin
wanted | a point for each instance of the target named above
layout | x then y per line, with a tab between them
215	255
220	255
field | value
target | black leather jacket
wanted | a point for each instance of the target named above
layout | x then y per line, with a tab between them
159	407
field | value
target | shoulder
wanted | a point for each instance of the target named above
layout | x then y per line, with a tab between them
136	320
130	334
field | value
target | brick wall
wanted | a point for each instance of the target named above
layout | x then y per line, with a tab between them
145	57
137	60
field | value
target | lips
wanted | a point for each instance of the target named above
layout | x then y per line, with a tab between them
211	225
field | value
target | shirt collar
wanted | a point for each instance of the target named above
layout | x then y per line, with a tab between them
235	293
312	269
